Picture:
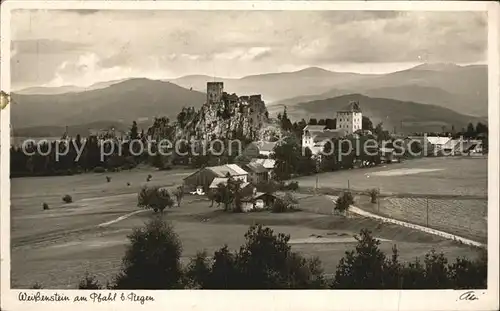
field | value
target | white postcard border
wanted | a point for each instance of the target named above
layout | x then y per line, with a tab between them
274	300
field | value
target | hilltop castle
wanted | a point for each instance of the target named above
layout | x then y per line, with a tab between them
226	115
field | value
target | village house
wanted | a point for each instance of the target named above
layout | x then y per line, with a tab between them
257	173
259	148
204	177
349	121
315	137
246	188
257	200
268	164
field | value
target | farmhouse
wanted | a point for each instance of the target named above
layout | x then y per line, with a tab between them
246	188
258	200
268	164
315	137
205	176
259	148
257	172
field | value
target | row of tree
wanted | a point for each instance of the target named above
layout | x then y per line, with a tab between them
266	261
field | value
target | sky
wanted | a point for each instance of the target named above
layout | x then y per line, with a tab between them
64	47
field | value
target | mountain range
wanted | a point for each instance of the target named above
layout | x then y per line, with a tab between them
460	90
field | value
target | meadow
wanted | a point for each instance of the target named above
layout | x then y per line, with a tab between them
56	247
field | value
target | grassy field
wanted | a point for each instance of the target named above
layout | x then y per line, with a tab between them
56	247
446	176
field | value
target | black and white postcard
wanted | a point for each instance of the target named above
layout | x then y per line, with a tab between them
194	155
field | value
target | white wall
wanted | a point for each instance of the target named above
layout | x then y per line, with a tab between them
349	121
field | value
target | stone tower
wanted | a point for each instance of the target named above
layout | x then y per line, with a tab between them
350	118
214	92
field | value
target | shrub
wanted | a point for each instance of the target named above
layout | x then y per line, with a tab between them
67	198
374	195
45	206
128	184
152	259
155	198
89	282
343	202
108	179
285	204
179	194
293	186
99	169
149	177
37	286
198	271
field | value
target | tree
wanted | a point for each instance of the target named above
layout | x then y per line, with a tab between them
198	271
362	268
285	204
179	194
374	195
288	157
286	124
343	202
155	198
152	259
481	128
470	132
89	282
366	124
229	194
134	131
330	124
313	121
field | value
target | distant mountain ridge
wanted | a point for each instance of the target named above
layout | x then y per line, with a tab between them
122	102
459	88
403	116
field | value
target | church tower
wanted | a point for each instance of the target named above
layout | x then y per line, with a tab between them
214	92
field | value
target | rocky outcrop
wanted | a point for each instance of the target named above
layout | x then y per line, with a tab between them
233	117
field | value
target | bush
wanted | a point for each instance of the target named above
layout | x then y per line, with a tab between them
45	206
265	261
374	195
149	177
108	179
367	267
198	271
67	199
284	204
155	198
99	169
152	259
292	186
343	202
37	286
89	282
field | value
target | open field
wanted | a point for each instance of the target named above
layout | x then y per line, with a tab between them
57	246
426	176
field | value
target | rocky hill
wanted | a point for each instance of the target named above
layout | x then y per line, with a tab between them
233	117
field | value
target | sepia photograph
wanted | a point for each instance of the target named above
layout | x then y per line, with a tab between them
249	148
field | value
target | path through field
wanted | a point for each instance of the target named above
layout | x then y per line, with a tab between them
445	235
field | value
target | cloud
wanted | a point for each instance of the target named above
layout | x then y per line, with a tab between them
62	43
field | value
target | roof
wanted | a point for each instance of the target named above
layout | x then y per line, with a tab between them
223	170
217	181
256	196
267	163
264	145
330	134
256	167
352	107
315	128
438	140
